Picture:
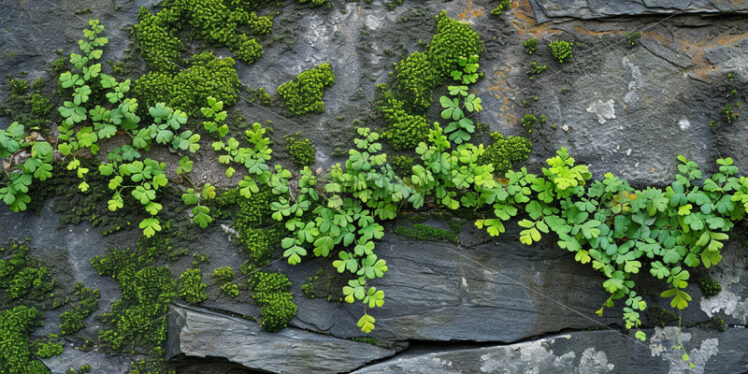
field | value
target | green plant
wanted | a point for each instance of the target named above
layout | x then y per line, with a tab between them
561	50
72	320
192	288
402	165
15	326
453	40
425	232
530	45
223	274
709	286
416	79
503	153
535	69
271	292
230	289
302	151
404	130
18	176
304	94
468	72
528	121
632	38
729	114
503	6
460	127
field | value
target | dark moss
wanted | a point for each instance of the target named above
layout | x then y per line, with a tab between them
709	286
658	316
325	284
425	232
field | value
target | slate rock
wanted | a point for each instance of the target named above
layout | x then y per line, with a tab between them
198	332
595	9
589	352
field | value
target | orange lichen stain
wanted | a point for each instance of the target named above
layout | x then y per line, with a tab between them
470	12
696	49
511	119
494	88
652	169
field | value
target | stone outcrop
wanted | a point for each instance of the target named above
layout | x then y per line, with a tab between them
198	332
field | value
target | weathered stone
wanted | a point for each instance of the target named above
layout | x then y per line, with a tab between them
197	332
593	352
72	358
592	9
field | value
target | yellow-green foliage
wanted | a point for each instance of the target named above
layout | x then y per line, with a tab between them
304	94
72	320
301	150
135	321
192	288
402	165
455	39
18	276
258	243
405	130
224	274
189	89
215	21
271	292
313	2
15	352
502	153
416	78
160	48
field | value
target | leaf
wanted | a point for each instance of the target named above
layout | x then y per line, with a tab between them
150	226
366	323
201	217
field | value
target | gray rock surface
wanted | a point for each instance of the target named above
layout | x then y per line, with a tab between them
197	332
592	9
72	358
592	352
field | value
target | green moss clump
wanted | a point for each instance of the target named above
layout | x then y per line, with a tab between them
30	108
72	320
231	290
48	349
258	243
658	316
302	151
160	48
189	89
135	321
530	45
503	6
223	274
561	50
402	165
326	283
314	2
709	286
304	94
191	286
404	130
503	153
416	79
271	292
426	232
455	39
19	276
15	327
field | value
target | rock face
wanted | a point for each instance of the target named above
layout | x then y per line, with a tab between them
593	352
591	9
198	332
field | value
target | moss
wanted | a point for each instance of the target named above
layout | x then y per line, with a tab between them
301	150
455	39
28	106
402	165
231	290
503	6
88	302
326	284
561	50
189	89
416	79
191	286
404	130
304	94
20	274
15	327
503	153
223	274
658	316
530	45
709	286
160	48
271	292
425	232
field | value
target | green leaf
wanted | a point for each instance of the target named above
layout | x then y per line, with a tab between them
150	226
366	323
201	217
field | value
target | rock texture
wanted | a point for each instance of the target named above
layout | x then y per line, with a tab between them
594	352
591	9
197	332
